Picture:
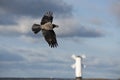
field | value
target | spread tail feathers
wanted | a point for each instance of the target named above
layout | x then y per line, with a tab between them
36	28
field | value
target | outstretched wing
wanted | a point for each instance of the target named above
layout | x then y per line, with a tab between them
50	37
48	17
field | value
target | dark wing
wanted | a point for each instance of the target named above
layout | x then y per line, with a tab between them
48	17
36	28
50	37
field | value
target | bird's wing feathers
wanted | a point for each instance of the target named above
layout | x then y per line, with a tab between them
50	37
48	17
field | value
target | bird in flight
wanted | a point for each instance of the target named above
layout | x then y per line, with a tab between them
47	27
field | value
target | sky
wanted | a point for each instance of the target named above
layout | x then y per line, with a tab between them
89	27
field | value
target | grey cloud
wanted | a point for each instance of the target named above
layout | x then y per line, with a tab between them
69	29
8	56
100	64
86	32
6	20
81	32
34	8
10	33
33	68
17	8
12	10
96	21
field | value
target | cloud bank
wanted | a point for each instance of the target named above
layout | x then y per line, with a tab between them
10	11
17	18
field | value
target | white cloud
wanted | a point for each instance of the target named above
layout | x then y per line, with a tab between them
23	27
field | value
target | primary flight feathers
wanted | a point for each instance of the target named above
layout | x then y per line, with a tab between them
47	27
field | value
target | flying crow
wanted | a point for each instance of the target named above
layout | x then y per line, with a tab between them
47	27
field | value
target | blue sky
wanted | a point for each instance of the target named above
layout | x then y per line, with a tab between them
89	27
